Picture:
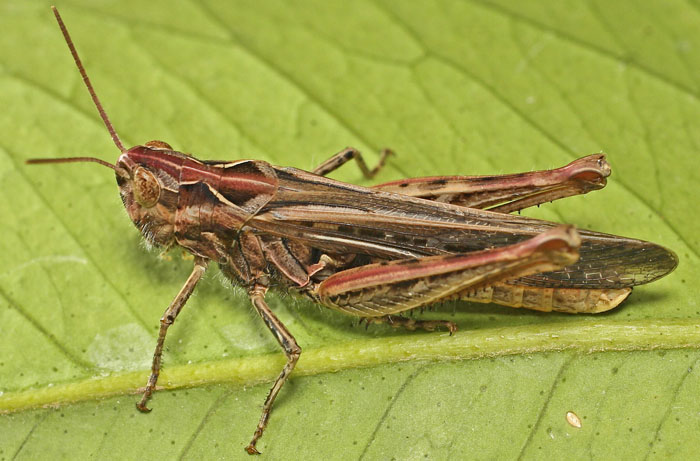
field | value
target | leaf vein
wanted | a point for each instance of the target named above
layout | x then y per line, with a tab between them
389	407
205	419
29	434
543	410
667	413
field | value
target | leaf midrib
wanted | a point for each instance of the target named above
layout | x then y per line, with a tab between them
579	336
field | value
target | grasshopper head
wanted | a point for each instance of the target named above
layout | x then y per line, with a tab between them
148	185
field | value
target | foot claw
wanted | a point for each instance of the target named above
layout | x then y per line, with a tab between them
141	406
451	327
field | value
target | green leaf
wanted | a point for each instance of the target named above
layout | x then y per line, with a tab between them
454	87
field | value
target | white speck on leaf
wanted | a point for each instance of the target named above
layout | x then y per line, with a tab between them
573	419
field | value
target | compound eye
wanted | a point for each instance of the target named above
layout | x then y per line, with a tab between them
146	188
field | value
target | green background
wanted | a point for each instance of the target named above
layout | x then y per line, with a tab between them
454	87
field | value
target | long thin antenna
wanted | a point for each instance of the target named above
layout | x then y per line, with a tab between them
120	171
95	99
34	161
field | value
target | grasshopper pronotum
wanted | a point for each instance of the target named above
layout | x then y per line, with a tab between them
372	252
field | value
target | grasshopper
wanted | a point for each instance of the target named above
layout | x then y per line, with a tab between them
372	252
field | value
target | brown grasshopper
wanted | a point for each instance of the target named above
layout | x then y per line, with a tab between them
372	252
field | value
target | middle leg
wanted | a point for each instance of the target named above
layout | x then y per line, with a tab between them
291	350
347	154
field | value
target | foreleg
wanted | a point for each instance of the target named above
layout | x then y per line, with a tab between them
200	266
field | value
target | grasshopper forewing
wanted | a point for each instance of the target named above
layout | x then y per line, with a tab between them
372	252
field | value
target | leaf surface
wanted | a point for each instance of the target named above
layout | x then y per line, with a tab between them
466	87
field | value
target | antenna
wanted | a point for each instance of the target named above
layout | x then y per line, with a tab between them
34	161
86	80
